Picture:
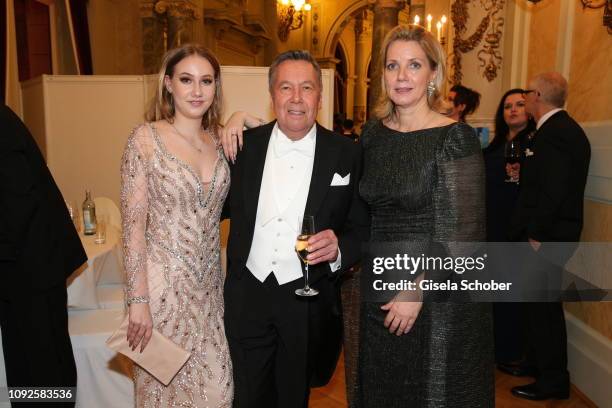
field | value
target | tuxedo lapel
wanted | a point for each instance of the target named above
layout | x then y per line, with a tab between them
326	155
252	169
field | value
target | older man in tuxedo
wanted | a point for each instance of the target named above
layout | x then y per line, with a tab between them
549	212
39	248
282	343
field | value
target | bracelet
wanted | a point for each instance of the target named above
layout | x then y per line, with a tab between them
138	299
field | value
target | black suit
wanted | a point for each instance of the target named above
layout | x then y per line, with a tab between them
550	210
39	248
278	341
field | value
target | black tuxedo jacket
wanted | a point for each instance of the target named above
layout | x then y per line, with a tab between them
334	207
550	203
39	246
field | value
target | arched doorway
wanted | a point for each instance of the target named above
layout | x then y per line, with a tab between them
348	44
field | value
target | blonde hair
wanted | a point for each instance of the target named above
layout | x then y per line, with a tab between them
162	105
385	108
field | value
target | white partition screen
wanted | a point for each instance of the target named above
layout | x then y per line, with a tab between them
82	122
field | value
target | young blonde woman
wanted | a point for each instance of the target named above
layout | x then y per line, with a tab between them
174	183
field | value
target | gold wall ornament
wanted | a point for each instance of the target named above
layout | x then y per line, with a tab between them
463	45
178	9
606	5
489	56
291	14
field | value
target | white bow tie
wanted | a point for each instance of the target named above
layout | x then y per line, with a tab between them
284	146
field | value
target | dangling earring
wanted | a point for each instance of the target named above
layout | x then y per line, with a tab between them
431	89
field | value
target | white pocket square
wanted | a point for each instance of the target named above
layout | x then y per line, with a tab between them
340	181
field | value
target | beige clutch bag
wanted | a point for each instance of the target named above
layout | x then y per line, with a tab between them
162	358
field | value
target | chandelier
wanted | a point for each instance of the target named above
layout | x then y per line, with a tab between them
290	16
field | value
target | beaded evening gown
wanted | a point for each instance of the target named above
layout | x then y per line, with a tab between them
172	254
427	188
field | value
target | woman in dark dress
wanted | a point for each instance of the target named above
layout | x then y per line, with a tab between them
423	179
511	122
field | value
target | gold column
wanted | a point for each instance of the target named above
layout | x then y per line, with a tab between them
180	15
165	24
385	18
363	48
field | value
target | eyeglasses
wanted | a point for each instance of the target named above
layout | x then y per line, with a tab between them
528	91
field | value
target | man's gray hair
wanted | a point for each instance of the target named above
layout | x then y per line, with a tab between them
552	87
293	55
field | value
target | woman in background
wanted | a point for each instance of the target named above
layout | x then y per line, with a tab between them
428	195
174	180
511	123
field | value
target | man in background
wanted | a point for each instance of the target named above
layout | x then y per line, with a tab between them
348	130
39	249
549	212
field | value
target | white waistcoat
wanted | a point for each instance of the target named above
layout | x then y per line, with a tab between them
282	199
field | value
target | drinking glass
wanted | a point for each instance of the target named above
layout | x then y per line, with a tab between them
102	220
512	153
73	210
306	230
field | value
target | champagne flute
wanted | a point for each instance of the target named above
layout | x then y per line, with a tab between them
306	230
512	154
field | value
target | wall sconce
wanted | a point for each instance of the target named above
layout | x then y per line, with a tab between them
290	16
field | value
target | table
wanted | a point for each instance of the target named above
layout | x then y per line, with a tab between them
104	377
104	267
96	309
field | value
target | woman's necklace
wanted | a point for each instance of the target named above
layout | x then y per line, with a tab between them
185	138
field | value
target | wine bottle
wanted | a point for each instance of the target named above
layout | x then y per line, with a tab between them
89	214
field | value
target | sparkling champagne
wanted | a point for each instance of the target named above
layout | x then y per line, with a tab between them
301	247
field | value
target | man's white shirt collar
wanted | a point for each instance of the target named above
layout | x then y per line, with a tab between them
547	116
283	145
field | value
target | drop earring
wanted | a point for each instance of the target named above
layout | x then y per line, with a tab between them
431	89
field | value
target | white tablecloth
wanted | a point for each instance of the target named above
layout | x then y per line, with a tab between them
104	377
104	266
